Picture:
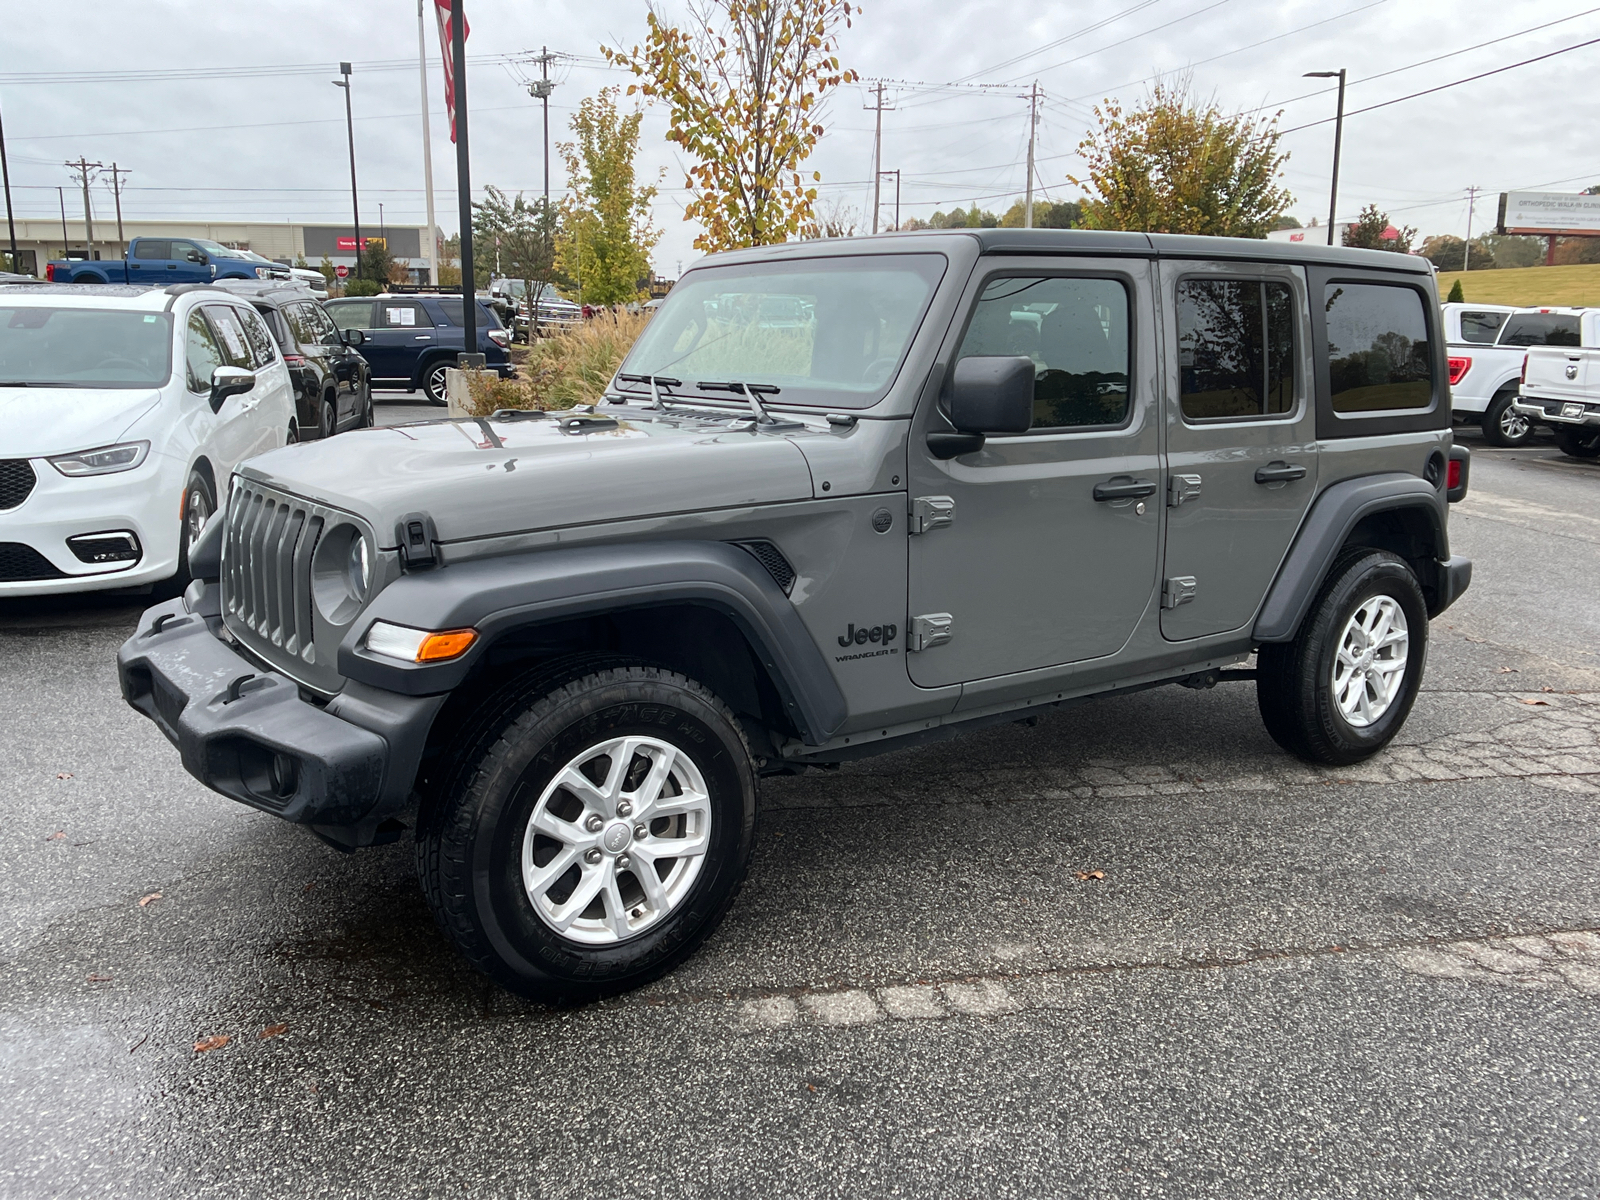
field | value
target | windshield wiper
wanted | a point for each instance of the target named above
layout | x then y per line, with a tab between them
750	391
653	381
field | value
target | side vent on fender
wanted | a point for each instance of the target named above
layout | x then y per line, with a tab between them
770	557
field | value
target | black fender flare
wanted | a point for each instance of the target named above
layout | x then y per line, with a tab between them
495	595
1332	517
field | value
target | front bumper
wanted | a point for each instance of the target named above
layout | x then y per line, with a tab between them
1558	412
345	768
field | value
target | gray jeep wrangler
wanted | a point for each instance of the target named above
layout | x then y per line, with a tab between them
843	497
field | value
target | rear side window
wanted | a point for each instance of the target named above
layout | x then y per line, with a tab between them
352	316
1541	329
255	332
230	335
201	353
1076	332
295	316
453	313
1235	348
1480	327
1378	353
152	248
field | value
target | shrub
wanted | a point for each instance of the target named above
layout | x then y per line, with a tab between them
362	287
570	368
1456	296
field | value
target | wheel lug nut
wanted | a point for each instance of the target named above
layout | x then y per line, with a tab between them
624	809
624	862
594	822
591	856
640	831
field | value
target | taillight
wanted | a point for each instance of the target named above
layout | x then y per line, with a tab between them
1458	368
1452	476
294	360
50	271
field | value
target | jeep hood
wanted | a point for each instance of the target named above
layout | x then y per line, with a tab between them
488	477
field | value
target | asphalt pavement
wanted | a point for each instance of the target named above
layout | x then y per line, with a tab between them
1132	950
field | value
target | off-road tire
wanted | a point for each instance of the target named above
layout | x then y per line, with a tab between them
1294	685
1498	415
470	833
1578	441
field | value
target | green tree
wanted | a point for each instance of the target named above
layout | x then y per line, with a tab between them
328	273
376	261
742	84
1285	221
606	234
521	237
1176	165
300	261
1456	296
1046	215
1369	229
1446	252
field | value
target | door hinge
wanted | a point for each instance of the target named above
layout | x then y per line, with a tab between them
929	630
1181	488
1180	589
932	512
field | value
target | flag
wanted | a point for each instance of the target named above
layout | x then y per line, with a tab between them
441	9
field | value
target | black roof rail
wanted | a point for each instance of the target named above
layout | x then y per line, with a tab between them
179	289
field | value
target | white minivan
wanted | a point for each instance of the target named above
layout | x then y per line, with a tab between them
122	409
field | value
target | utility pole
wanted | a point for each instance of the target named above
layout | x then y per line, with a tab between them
469	306
350	128
427	149
11	216
1033	126
540	90
896	174
877	150
1466	250
116	191
1338	138
83	166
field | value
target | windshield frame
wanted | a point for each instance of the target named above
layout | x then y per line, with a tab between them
163	319
932	265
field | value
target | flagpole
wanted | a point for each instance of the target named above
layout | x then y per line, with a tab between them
427	147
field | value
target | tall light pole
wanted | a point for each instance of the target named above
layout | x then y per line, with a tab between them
11	217
427	148
350	128
469	291
1338	136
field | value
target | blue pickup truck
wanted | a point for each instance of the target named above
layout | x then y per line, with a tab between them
160	261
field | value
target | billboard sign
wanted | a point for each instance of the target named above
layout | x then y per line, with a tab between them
1563	214
348	244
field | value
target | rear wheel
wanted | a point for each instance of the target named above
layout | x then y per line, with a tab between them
594	834
364	405
327	418
433	382
1578	441
1343	688
1503	425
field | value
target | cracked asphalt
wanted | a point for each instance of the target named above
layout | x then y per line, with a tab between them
1133	950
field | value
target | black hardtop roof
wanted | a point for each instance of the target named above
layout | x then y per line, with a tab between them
1092	242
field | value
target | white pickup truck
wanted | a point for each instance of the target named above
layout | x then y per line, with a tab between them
1484	376
1561	383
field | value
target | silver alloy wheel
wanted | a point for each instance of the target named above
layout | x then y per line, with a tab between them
435	386
616	840
1370	668
1513	425
196	512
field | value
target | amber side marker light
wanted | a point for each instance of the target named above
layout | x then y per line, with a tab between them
418	645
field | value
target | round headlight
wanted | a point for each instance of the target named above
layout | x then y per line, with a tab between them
360	568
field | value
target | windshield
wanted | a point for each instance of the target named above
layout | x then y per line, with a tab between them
828	332
216	248
84	347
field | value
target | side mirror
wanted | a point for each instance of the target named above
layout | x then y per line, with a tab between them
987	395
354	337
229	381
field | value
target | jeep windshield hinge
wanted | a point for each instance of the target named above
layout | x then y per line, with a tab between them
1180	589
1181	488
929	630
932	512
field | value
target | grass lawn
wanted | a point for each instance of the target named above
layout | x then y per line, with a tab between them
1576	285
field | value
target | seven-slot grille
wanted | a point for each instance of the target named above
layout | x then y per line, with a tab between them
268	543
16	481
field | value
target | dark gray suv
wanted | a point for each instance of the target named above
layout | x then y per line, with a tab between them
843	497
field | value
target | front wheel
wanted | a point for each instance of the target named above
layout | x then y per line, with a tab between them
433	382
1342	689
1503	425
1578	441
594	835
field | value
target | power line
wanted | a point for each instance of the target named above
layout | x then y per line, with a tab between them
1445	86
1134	37
1087	29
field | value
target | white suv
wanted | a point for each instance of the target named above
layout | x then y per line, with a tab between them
121	408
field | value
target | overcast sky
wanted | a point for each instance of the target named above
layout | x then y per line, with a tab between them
204	135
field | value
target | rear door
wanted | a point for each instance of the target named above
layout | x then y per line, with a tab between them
402	333
227	435
1018	561
149	261
1241	437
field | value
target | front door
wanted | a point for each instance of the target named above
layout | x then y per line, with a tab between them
1241	438
1041	548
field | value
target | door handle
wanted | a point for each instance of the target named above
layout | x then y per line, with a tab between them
1124	487
1279	472
424	337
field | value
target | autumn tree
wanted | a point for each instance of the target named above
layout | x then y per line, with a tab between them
1177	165
1369	230
606	234
520	236
743	82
